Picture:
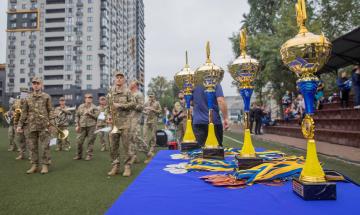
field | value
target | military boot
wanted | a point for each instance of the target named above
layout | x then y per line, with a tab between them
44	169
33	169
150	155
88	158
77	157
103	149
127	171
20	157
114	170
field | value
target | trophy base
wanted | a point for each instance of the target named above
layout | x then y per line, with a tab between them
213	153
189	146
247	162
314	191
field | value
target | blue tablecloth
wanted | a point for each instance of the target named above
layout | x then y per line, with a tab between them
156	191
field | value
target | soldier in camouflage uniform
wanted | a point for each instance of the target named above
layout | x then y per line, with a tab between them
136	134
152	109
21	138
101	123
85	120
179	115
36	112
62	122
121	104
11	129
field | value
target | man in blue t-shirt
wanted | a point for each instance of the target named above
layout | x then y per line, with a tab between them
201	114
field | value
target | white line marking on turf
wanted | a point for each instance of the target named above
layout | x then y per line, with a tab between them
235	140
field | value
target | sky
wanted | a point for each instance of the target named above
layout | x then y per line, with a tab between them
173	26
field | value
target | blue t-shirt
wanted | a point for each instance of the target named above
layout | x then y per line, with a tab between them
200	110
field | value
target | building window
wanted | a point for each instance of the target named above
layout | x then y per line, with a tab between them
89	48
23	34
22	42
24	24
68	67
22	80
22	71
68	77
88	86
89	77
89	57
13	25
89	29
69	48
41	51
40	60
23	6
22	61
40	70
90	19
89	38
24	16
90	1
90	10
89	67
23	52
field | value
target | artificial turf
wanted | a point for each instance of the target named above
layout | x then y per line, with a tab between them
82	187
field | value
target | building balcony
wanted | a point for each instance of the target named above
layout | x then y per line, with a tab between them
79	33
12	38
13	1
79	42
79	4
32	46
78	71
31	64
79	23
11	46
79	13
78	81
104	5
11	56
10	84
78	62
31	74
32	37
32	55
11	75
11	65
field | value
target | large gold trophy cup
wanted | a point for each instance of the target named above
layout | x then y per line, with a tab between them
185	80
243	71
305	54
209	75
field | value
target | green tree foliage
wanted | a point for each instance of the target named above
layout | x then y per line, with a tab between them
165	91
272	22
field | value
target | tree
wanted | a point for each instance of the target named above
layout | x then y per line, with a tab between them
165	91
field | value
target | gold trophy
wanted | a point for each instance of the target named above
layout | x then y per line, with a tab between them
305	54
185	81
243	71
209	75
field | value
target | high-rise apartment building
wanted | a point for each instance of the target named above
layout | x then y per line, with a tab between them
74	45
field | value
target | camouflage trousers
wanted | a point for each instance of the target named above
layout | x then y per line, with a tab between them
180	130
20	140
86	135
63	143
11	136
104	138
36	140
137	139
129	151
150	134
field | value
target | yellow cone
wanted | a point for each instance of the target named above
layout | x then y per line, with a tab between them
248	149
312	171
189	136
211	140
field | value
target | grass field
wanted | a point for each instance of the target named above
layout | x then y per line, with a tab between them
82	187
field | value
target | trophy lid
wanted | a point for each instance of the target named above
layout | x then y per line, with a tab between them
186	75
305	53
209	70
244	65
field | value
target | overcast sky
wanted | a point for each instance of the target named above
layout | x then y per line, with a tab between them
173	26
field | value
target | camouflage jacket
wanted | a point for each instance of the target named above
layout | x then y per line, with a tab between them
152	115
102	123
122	115
62	116
37	111
86	116
139	105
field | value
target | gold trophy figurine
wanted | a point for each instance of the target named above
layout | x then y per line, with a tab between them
305	54
209	75
185	81
243	71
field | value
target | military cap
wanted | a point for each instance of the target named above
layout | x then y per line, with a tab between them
102	98
36	79
117	73
62	99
